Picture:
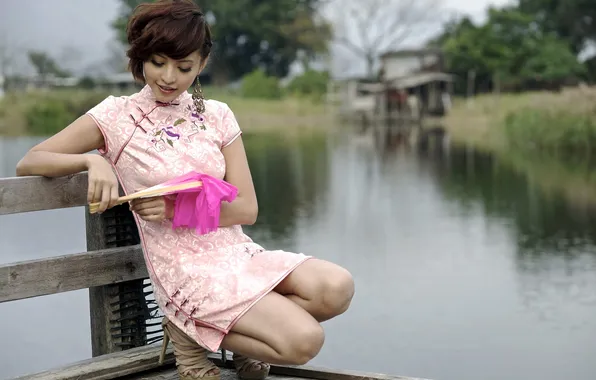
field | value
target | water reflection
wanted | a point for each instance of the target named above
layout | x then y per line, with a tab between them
555	254
289	174
465	267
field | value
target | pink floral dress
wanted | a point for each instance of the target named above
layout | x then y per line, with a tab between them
202	283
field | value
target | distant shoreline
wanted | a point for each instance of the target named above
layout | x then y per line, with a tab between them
45	113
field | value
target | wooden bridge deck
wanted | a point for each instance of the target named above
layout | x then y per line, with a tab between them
142	364
114	271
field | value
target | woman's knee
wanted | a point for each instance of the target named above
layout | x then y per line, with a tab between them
338	291
303	344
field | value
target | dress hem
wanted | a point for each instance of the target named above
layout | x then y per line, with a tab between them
260	297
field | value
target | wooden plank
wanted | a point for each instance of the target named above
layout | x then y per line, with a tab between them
112	329
172	374
35	193
315	373
100	297
71	272
110	366
100	311
141	364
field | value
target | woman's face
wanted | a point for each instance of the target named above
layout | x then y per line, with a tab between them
168	78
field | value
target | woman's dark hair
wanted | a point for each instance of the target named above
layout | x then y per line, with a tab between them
174	28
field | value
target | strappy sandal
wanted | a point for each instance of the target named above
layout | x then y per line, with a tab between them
250	369
191	359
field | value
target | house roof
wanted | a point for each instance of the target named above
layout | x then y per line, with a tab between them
411	52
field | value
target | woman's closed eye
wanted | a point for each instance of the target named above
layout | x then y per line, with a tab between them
182	69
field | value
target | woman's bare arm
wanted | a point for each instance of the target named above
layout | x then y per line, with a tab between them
244	209
63	153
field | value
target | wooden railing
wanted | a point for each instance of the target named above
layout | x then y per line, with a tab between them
113	267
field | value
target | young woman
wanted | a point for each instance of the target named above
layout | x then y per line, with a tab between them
220	289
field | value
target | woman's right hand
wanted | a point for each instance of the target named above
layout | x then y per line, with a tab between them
103	184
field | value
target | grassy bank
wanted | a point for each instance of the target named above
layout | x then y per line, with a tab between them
542	121
44	113
547	136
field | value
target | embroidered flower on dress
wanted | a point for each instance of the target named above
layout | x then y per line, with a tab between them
197	117
166	133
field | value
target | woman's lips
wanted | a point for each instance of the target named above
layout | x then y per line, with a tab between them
166	90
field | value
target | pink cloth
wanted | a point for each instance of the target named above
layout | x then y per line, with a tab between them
200	208
202	282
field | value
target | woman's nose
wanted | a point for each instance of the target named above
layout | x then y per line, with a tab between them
168	76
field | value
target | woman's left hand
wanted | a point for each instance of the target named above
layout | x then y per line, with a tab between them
154	209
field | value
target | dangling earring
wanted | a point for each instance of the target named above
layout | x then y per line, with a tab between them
198	99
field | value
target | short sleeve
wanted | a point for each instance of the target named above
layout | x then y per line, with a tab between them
230	128
105	115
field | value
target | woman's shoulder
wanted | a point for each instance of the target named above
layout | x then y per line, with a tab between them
224	119
113	103
216	107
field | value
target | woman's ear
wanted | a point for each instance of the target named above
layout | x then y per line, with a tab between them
203	64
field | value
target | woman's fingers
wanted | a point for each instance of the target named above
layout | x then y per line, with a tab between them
146	202
106	193
114	195
103	192
97	191
90	191
151	209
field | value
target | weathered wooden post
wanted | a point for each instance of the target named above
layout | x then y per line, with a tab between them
118	312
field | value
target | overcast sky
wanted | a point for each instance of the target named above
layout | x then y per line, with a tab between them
84	25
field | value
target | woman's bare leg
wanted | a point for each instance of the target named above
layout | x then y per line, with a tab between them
276	330
323	289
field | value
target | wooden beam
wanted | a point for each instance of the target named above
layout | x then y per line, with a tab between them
25	194
108	366
71	272
142	364
315	373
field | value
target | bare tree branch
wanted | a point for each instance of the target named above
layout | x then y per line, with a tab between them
369	28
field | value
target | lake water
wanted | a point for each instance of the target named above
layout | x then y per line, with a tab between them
464	268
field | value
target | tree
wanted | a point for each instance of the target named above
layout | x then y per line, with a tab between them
370	28
311	33
252	34
571	20
509	47
45	65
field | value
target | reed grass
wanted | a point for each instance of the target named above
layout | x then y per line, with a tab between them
546	121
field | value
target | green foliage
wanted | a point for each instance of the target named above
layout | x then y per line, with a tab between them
87	83
260	85
249	34
46	65
47	117
551	130
311	84
49	114
552	61
570	20
510	47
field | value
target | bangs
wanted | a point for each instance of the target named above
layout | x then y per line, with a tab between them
175	38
